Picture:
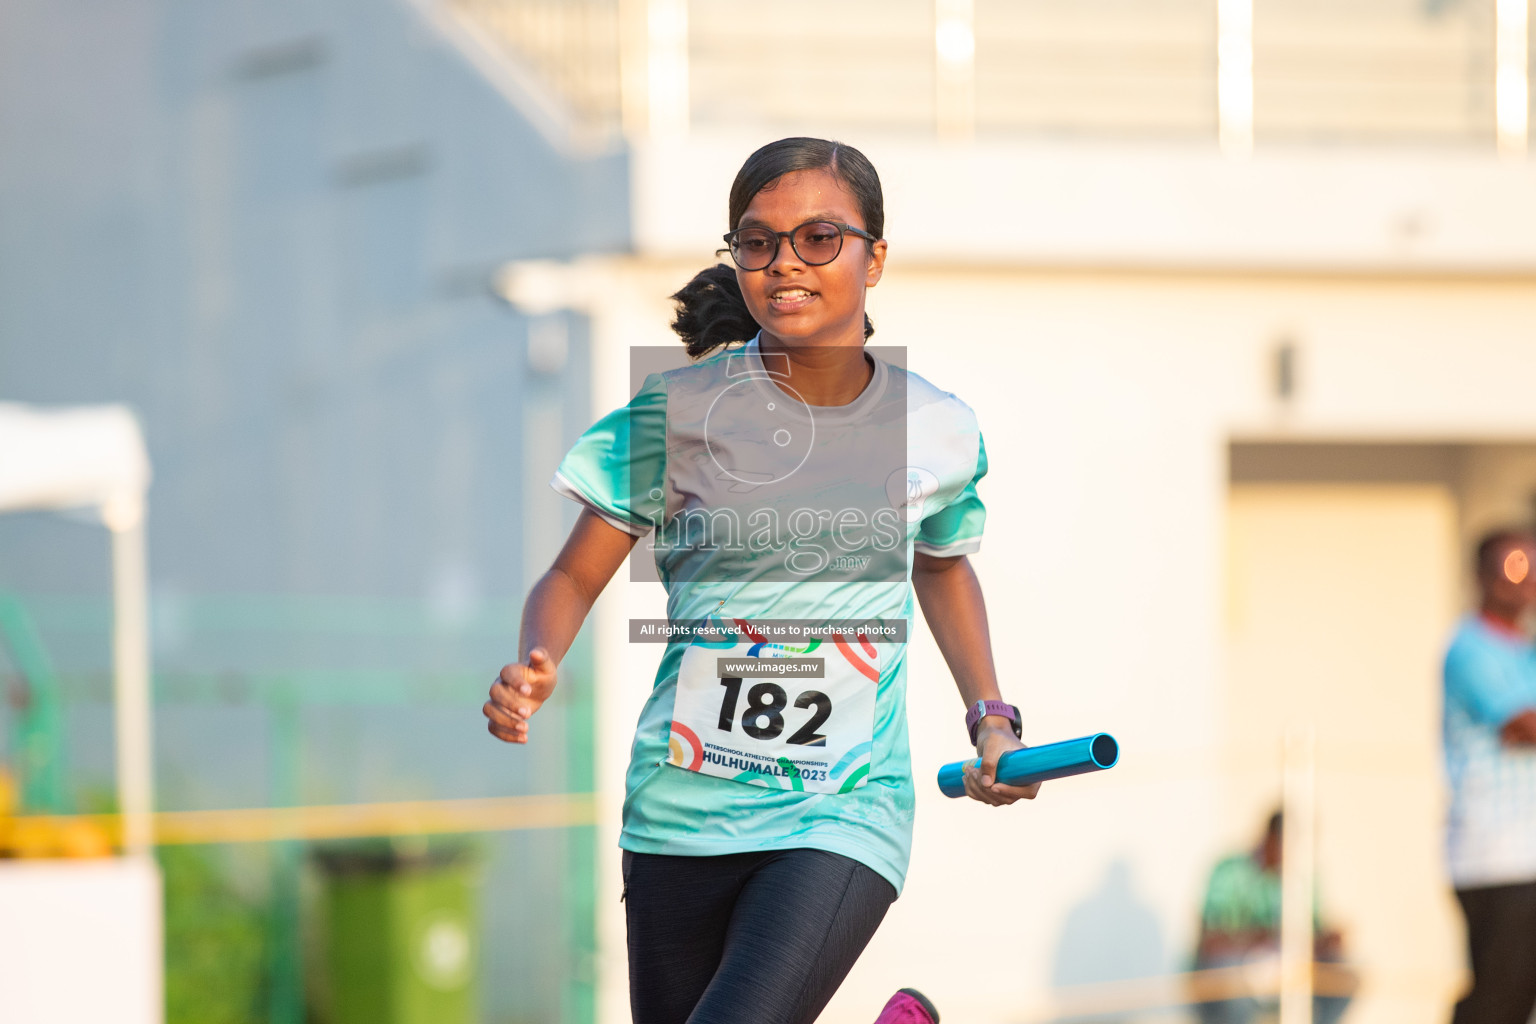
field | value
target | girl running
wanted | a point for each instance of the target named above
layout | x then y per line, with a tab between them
791	482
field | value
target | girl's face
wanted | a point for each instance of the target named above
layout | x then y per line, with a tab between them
801	305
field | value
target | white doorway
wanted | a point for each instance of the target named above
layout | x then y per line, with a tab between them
1340	599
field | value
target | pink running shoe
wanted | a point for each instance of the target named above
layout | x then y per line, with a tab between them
909	1006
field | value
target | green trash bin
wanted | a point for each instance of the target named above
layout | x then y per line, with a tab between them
402	935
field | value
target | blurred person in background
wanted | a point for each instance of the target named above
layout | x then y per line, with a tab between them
1240	927
1490	757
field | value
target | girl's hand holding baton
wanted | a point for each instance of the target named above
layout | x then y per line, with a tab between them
992	742
1027	767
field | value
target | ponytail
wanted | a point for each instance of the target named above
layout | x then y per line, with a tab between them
711	312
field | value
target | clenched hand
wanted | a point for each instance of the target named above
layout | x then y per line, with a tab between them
518	692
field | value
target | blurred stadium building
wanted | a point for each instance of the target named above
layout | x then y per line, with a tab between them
1243	292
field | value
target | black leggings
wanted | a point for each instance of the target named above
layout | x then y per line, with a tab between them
1501	936
745	938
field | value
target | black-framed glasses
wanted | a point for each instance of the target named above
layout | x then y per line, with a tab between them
816	242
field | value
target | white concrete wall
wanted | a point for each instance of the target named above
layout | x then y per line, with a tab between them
1101	205
80	942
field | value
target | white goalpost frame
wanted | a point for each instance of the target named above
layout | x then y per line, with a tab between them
94	457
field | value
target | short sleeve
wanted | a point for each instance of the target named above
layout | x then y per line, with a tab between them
618	467
1485	684
956	528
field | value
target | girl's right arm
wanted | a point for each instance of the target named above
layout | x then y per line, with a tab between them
556	607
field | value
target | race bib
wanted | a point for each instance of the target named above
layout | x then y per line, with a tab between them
799	718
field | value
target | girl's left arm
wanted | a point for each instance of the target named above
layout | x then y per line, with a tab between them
950	596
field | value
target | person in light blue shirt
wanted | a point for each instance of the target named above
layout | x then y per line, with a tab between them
1490	757
800	495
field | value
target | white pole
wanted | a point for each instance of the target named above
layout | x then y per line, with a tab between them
1234	76
1512	78
634	67
954	49
1297	874
668	99
124	516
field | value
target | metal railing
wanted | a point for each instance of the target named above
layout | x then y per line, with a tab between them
289	720
1285	71
572	46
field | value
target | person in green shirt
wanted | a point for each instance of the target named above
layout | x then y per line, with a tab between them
1240	927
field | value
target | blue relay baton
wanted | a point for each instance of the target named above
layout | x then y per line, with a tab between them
1040	764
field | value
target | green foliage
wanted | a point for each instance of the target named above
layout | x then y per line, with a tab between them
215	943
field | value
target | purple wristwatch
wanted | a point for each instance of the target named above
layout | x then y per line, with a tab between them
983	708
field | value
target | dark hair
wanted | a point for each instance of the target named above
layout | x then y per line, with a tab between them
1488	561
710	309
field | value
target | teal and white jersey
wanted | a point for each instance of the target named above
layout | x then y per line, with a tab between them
758	508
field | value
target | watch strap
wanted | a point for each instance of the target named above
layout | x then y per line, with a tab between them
983	708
